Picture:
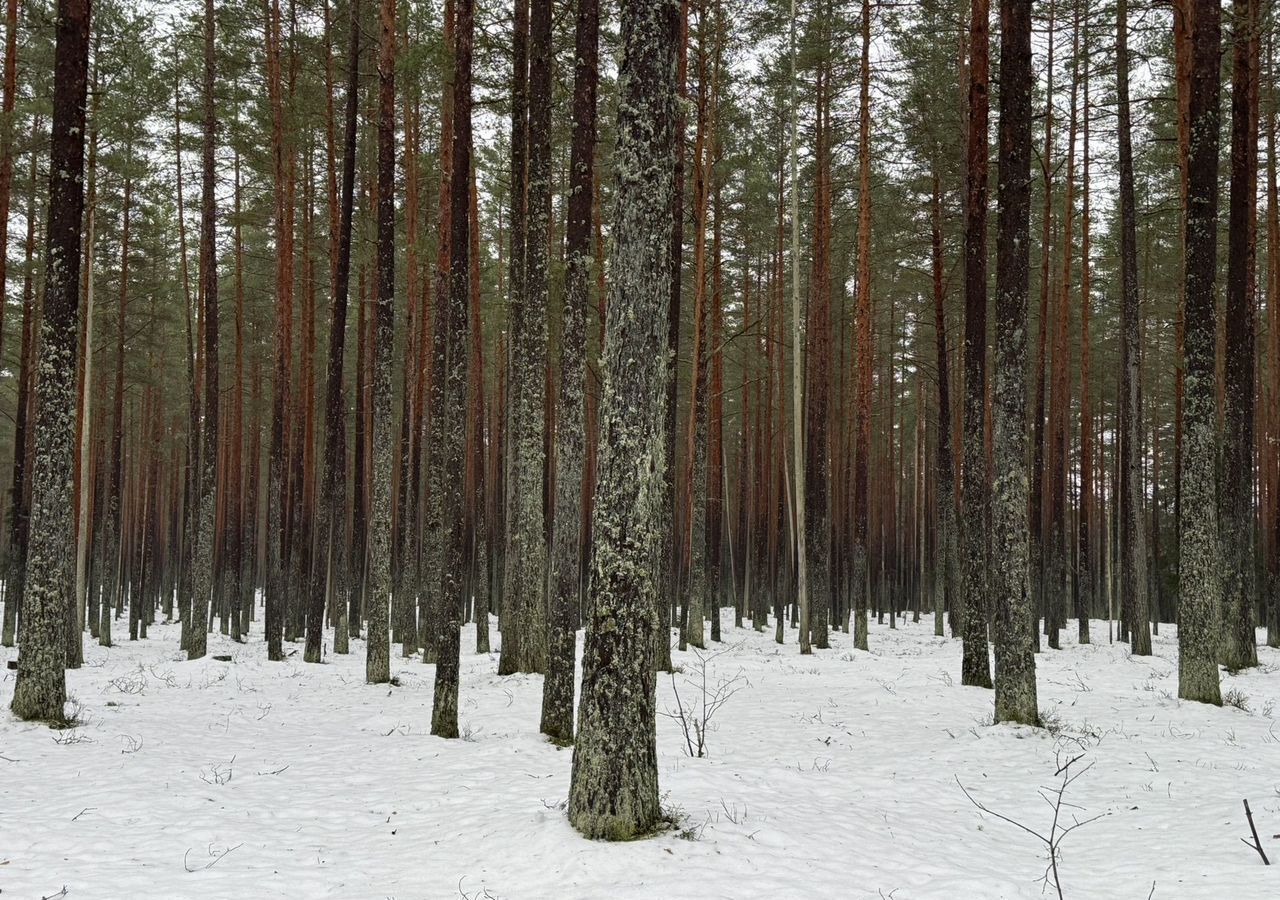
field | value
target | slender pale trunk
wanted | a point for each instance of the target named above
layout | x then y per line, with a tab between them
797	423
1133	546
862	335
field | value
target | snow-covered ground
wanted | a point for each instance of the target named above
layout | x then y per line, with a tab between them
835	775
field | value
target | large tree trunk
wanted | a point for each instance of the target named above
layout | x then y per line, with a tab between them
1238	644
614	788
1199	584
568	539
444	712
975	667
378	661
526	561
40	689
1015	680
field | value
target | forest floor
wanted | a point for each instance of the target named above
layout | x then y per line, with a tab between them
837	775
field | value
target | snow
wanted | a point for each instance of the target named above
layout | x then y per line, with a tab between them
833	775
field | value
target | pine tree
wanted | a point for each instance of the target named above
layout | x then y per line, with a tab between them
974	585
1199	582
334	484
1085	543
568	539
40	689
1133	545
526	551
444	711
274	613
378	661
204	558
1238	643
1015	676
860	565
613	792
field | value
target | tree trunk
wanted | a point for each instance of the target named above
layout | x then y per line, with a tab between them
22	438
1037	507
84	406
434	525
974	588
40	690
378	661
1199	584
862	335
526	559
444	711
945	585
1238	648
7	103
512	653
1084	557
668	560
567	531
334	484
273	619
204	560
1055	572
1015	677
613	793
1133	549
1273	300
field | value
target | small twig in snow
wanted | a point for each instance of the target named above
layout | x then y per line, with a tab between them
1053	840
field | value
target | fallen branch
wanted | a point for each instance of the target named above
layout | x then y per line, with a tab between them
1257	844
217	857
